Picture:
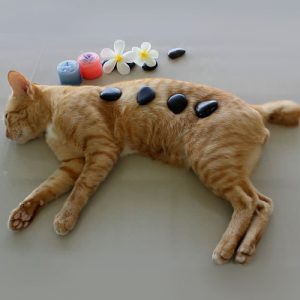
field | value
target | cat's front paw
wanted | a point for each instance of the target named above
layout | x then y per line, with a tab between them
22	216
64	222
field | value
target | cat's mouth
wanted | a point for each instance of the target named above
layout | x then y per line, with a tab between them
21	139
18	138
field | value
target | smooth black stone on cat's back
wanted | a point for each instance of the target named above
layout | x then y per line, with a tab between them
111	94
176	52
145	95
206	108
147	68
177	103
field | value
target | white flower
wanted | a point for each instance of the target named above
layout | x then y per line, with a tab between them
117	57
145	55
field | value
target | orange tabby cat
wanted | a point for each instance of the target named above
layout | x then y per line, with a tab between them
88	135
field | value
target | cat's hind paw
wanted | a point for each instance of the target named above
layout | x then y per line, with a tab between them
218	259
244	253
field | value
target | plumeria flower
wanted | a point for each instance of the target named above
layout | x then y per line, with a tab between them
117	57
145	55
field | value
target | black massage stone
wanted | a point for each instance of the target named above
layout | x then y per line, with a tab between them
147	68
206	108
131	65
106	61
111	94
176	52
145	95
177	103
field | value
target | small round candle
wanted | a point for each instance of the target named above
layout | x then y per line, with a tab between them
69	73
90	65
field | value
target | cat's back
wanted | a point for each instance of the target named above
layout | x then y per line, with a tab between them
154	128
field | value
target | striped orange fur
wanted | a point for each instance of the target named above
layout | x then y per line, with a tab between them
88	136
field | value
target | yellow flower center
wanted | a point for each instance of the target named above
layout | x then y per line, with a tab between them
144	54
119	58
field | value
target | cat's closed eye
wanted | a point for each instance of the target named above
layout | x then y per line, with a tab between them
4	118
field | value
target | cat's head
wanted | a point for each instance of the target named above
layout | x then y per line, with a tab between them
21	117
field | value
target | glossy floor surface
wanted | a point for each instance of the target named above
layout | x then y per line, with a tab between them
150	230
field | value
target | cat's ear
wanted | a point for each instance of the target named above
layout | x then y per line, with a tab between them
20	85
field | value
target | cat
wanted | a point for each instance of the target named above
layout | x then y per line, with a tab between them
88	135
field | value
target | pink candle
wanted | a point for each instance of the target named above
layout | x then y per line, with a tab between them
90	65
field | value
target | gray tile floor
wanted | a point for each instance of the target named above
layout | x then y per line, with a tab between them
150	230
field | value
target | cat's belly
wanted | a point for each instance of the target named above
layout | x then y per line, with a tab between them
127	151
62	149
173	156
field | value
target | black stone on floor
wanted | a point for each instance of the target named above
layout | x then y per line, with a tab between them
131	65
176	52
147	68
104	61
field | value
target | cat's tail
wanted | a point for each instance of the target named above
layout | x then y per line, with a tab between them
282	112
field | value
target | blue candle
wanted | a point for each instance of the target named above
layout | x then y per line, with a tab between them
68	72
